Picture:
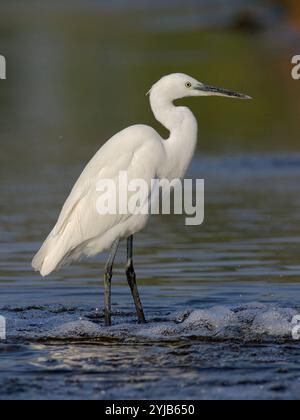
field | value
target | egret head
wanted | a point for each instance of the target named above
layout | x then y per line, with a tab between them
178	85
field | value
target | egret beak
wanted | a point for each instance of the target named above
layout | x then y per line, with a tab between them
213	91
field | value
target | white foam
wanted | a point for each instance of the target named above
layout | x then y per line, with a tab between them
274	322
250	322
79	329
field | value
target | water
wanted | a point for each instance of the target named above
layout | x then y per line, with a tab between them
219	298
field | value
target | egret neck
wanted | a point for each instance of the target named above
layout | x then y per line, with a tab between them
183	127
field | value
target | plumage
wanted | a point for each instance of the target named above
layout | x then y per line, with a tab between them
80	231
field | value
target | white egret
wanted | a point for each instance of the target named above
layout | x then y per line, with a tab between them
143	154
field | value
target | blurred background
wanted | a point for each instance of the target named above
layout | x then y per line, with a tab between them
77	72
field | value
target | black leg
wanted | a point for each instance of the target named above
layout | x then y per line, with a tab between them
107	282
131	278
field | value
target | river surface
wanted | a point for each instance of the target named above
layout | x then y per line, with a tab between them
220	298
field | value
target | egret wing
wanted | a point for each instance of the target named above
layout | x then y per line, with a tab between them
80	229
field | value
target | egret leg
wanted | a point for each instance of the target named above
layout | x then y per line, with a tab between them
131	278
107	282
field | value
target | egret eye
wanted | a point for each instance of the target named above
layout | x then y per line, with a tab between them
188	85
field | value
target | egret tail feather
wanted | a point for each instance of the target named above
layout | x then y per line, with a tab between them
49	256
